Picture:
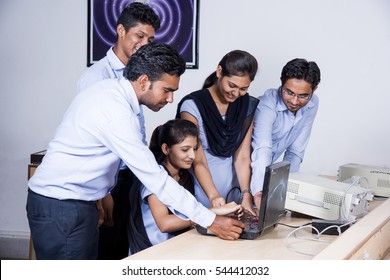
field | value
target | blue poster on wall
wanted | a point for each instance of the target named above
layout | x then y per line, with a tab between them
179	22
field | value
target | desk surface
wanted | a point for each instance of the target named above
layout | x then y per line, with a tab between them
272	246
192	245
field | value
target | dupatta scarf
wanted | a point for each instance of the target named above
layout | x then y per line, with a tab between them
223	135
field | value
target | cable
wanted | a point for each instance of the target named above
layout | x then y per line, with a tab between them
232	189
286	225
286	240
343	215
317	238
368	182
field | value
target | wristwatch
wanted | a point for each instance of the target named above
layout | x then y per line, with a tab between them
244	192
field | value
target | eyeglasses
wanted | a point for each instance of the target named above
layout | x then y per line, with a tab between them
301	97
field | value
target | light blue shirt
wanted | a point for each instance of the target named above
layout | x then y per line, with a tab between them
109	67
99	129
276	131
153	231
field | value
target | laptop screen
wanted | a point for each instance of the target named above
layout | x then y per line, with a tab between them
274	195
271	206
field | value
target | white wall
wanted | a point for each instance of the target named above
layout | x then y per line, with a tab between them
43	52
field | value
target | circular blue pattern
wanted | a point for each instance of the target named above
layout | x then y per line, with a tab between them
177	25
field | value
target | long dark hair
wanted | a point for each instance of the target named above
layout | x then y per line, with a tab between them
171	133
234	63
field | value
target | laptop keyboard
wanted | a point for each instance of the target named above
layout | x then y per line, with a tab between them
251	221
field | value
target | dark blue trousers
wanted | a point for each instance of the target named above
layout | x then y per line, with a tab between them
63	229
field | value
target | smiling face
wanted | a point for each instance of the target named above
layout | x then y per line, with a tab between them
296	94
129	42
181	155
230	88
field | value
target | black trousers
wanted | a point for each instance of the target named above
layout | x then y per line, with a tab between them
113	241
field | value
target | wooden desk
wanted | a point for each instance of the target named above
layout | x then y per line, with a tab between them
369	238
30	171
35	160
372	231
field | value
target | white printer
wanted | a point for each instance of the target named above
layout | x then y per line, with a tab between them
326	198
376	178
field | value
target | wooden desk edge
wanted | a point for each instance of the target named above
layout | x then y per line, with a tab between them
369	238
30	171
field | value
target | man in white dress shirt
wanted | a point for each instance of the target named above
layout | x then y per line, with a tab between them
99	130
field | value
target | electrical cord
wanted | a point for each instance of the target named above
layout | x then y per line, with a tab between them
356	179
232	189
319	234
317	238
291	226
343	215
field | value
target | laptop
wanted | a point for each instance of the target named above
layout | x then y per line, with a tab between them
271	206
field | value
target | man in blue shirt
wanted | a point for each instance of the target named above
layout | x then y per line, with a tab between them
136	26
100	129
283	120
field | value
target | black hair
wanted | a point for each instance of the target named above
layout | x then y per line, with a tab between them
171	133
136	13
300	68
235	63
154	60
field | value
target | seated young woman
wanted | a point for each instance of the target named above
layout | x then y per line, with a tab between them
174	146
